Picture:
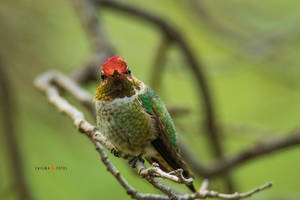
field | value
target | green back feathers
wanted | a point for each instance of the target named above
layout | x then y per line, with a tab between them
154	106
147	102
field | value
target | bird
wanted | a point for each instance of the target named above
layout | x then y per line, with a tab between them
135	120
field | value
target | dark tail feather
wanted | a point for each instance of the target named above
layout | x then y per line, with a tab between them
192	187
172	158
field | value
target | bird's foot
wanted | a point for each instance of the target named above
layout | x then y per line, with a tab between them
115	152
135	159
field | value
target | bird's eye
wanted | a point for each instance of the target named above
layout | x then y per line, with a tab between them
128	72
103	76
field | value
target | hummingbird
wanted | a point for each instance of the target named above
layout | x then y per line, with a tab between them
135	120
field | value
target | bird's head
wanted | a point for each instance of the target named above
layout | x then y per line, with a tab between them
116	80
115	68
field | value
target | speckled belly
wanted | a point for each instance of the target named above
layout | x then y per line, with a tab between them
126	124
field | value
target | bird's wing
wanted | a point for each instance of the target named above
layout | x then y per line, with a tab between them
165	142
164	123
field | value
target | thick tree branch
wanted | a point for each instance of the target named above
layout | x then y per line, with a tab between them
48	82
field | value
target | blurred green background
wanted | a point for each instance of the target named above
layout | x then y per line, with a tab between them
250	50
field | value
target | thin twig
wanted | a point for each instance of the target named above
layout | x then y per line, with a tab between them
115	172
236	195
9	113
176	176
204	186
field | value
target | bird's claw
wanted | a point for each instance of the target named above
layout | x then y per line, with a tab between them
135	159
115	152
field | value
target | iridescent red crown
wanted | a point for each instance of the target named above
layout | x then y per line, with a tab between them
114	63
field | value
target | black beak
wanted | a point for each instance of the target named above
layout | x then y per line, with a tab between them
116	73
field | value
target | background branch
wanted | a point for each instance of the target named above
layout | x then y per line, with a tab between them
256	151
9	113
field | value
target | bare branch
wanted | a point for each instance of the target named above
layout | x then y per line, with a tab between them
228	164
128	188
10	136
260	149
204	186
176	176
213	194
47	83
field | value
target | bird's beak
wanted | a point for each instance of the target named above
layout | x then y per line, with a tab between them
116	73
